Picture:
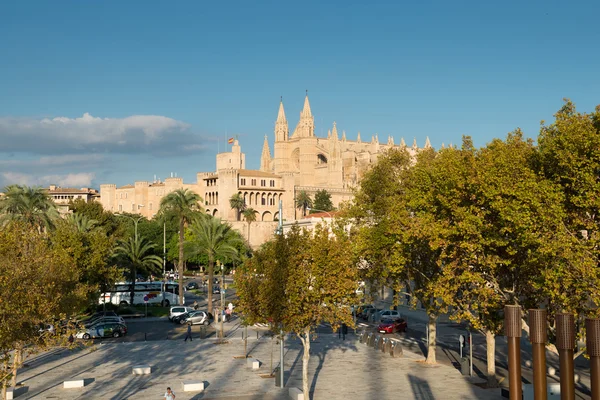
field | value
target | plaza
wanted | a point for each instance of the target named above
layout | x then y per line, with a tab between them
338	369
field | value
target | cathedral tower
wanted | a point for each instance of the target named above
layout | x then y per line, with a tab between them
306	125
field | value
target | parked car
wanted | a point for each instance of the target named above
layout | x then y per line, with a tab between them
104	314
178	310
195	318
192	285
104	330
362	310
368	315
392	325
386	314
216	290
103	320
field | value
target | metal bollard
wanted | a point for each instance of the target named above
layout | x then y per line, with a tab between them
592	329
565	343
538	336
512	331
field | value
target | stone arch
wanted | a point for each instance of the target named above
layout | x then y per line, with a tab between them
267	216
276	216
321	159
245	196
296	158
251	198
215	211
263	199
270	199
208	211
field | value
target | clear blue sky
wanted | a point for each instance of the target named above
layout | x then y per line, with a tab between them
209	70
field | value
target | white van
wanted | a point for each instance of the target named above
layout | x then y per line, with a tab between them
178	310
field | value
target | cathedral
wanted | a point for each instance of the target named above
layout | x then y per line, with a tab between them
299	162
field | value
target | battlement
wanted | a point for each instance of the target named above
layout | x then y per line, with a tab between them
141	183
108	186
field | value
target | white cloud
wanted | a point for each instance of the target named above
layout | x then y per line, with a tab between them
76	180
153	134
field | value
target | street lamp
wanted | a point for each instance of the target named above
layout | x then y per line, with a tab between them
315	209
135	220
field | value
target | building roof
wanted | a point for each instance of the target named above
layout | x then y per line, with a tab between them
257	173
70	190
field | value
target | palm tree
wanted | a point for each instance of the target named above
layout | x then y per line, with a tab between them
136	253
81	222
181	205
237	201
303	201
217	240
30	205
250	217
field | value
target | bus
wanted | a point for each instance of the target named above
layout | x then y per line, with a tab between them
163	293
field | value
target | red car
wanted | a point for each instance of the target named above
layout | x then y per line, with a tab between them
392	326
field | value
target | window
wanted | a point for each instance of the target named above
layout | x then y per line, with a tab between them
120	207
263	182
150	206
253	182
125	195
133	207
263	201
243	181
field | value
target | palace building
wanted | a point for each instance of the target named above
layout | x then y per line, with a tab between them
299	162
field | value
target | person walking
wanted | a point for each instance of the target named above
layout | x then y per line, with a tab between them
189	333
169	394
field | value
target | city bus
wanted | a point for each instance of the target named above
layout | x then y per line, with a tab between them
163	293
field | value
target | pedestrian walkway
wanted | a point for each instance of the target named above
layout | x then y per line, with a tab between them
338	369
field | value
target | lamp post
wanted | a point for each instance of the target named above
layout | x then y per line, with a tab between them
222	298
135	220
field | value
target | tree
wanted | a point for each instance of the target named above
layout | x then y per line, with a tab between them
181	205
323	200
30	205
249	217
81	222
217	240
238	203
93	210
303	201
44	286
135	253
298	281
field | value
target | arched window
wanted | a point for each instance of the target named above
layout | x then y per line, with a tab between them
321	159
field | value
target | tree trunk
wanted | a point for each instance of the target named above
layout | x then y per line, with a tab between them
4	380
211	273
180	263
16	362
132	292
305	358
490	341
431	339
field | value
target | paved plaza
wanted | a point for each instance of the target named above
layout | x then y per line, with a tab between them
338	370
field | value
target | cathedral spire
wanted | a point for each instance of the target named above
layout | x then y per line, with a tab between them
414	146
358	138
334	134
427	143
343	136
402	142
306	110
265	158
281	125
306	125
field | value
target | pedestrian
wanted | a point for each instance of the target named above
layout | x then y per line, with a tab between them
169	395
228	314
189	333
195	305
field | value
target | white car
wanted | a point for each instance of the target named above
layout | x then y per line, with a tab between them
102	320
178	310
386	314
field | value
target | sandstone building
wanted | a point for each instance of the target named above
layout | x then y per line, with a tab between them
299	162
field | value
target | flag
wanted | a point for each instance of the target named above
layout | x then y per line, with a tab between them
230	141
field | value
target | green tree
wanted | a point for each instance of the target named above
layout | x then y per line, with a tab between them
43	285
180	205
303	201
218	241
323	201
238	203
298	281
91	252
249	217
136	254
106	220
81	222
31	205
